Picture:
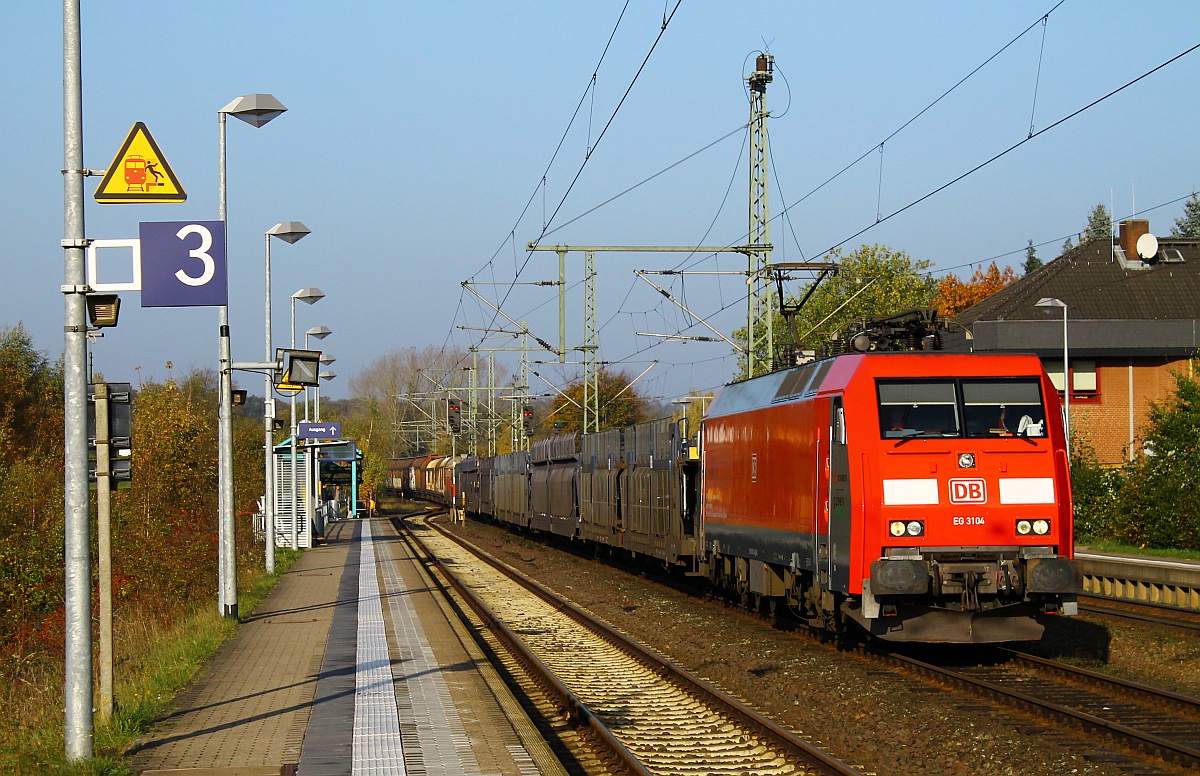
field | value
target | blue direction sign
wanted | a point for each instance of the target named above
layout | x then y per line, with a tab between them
309	430
183	264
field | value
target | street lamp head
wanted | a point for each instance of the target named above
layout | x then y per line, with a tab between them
309	295
327	375
319	332
255	109
289	231
327	358
1049	301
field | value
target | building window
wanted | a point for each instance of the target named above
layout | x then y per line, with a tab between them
1084	382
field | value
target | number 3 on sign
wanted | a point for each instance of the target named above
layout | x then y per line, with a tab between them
201	253
183	264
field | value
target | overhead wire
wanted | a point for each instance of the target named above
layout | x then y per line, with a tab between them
1008	150
927	108
588	156
880	218
541	186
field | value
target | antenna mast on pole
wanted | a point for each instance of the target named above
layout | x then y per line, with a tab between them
760	340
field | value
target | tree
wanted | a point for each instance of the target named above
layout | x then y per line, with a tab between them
31	501
1099	225
1067	245
408	388
619	404
873	280
954	296
1032	262
1188	225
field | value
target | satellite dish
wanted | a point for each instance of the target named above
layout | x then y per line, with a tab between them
1147	247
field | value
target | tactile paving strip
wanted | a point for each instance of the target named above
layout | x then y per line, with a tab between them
378	750
436	743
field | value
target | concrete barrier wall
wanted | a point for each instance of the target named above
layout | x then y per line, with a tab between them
1174	583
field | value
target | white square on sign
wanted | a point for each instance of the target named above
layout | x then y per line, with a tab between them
134	246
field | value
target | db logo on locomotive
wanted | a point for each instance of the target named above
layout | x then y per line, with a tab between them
972	491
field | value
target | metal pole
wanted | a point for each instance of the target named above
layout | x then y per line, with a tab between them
268	428
77	656
562	305
491	403
1066	386
292	402
104	549
227	604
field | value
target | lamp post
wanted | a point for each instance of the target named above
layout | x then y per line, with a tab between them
1047	303
326	375
326	359
77	570
320	333
256	110
308	296
289	232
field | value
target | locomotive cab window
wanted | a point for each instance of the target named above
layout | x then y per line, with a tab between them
970	408
1003	408
912	408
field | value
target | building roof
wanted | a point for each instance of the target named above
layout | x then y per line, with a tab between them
1114	306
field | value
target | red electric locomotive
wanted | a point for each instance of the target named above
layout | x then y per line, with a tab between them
923	496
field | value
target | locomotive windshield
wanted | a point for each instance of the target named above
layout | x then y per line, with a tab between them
952	408
918	408
1003	408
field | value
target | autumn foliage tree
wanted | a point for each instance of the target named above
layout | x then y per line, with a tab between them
872	280
619	403
31	503
164	526
954	296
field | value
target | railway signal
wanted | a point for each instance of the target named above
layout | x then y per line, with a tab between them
454	416
527	419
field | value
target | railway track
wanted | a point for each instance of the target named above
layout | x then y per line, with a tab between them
1145	719
650	715
1175	617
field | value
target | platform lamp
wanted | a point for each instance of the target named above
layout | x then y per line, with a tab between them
320	333
256	110
290	232
1048	303
326	376
308	296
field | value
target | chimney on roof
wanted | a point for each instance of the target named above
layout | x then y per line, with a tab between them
1131	230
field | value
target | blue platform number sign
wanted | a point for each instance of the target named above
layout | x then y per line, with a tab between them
183	264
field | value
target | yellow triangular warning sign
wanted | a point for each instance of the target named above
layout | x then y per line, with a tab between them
139	173
289	389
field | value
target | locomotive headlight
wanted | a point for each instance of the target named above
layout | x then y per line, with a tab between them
1041	527
915	528
896	528
966	460
1024	527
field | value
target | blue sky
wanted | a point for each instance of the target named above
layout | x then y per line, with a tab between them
417	133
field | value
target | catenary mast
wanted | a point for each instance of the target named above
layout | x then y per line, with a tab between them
760	339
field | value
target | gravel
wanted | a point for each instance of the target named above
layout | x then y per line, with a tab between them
877	719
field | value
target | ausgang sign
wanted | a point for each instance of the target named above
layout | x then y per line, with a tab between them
310	430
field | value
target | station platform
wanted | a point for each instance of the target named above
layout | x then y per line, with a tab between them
351	666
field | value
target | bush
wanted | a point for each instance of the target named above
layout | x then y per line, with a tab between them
1095	490
1151	501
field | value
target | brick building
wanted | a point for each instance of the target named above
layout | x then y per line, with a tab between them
1131	324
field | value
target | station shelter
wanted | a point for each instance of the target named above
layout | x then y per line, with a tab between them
306	493
317	464
340	463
